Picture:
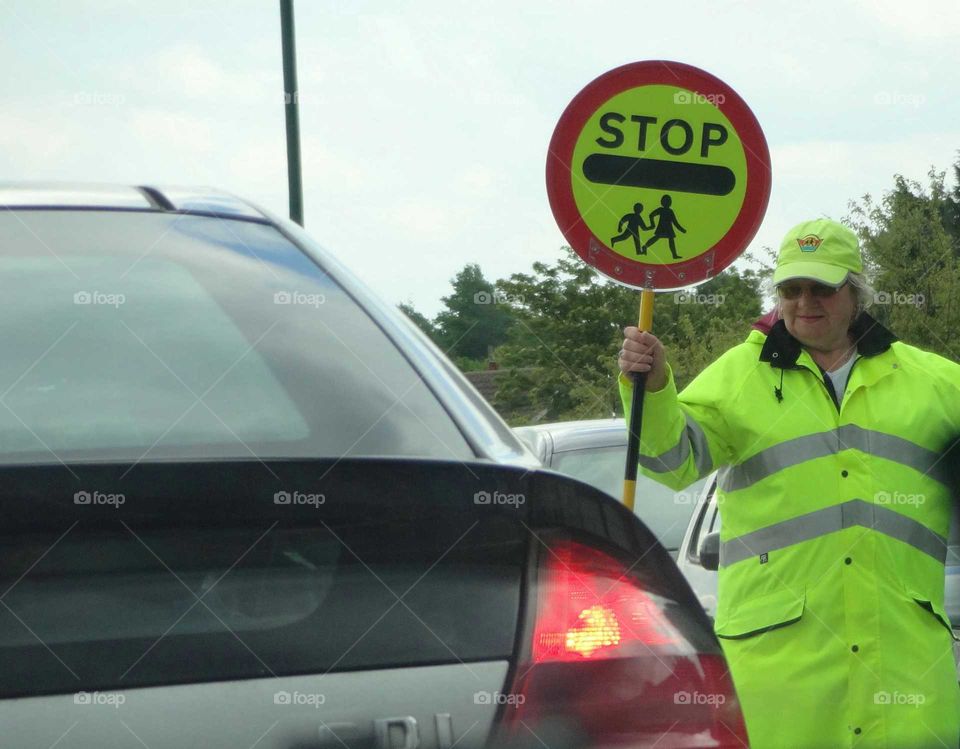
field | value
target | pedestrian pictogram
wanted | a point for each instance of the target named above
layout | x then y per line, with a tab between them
630	226
666	223
665	220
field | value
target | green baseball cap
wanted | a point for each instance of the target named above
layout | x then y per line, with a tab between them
821	250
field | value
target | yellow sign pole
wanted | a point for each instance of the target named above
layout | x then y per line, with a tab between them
636	409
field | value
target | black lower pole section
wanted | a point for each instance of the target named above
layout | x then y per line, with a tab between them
633	431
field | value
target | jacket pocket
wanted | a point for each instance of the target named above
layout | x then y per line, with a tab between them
761	614
935	610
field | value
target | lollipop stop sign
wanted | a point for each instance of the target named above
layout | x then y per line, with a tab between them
658	175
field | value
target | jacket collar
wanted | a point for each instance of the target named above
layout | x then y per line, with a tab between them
782	350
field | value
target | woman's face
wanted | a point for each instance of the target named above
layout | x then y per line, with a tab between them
816	315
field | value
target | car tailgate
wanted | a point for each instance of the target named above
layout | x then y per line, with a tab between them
359	602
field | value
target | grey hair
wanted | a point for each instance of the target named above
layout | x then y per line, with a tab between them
862	290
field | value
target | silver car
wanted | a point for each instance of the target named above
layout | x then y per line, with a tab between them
594	451
246	503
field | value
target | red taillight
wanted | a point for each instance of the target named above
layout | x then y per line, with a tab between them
609	666
587	608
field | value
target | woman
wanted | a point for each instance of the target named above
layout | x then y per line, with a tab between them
828	434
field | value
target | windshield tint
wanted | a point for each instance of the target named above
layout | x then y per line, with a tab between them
130	336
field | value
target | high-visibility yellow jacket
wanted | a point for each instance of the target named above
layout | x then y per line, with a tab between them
834	518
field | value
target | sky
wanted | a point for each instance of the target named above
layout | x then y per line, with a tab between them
425	124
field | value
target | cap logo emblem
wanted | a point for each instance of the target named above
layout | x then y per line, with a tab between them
809	243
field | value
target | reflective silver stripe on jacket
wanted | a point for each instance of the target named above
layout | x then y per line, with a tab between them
674	458
856	512
809	447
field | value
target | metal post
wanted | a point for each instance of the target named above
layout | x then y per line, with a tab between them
291	96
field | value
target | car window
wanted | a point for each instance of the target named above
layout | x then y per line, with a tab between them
714	514
664	511
130	336
601	467
708	521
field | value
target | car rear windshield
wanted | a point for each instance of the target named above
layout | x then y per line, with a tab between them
149	336
665	511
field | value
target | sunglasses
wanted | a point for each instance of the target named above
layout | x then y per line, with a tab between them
817	290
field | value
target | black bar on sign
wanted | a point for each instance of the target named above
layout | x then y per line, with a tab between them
656	174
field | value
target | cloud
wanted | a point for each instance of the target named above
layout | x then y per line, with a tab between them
194	74
186	73
186	133
422	219
854	167
479	180
916	21
396	40
335	170
29	141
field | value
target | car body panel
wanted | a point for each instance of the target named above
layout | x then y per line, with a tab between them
439	705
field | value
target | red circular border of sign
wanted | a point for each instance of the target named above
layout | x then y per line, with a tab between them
560	187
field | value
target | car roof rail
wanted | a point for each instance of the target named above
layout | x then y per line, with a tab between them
75	195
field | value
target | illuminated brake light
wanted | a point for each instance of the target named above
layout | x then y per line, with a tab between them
589	608
598	628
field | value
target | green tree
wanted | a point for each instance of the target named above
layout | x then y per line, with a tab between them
419	320
561	352
910	241
475	318
697	326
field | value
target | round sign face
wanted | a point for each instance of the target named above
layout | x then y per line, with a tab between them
658	174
